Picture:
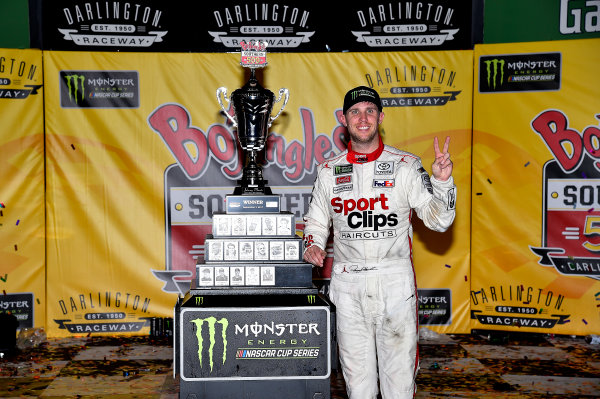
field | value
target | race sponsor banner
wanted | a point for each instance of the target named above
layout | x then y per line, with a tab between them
22	275
119	25
540	20
132	190
536	208
404	25
288	26
254	343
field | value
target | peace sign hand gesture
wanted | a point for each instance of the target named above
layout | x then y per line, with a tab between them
442	166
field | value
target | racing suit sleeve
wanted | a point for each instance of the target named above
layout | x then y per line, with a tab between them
433	200
317	220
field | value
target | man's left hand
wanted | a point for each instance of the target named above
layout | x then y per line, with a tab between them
442	166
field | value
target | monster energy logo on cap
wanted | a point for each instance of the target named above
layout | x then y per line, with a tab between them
211	323
360	94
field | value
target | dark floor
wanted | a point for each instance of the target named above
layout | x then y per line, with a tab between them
452	366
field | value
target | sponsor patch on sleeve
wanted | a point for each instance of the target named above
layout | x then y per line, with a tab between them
452	198
425	179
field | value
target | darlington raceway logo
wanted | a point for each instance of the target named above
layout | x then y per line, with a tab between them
571	208
112	23
103	312
414	85
518	306
519	72
99	89
281	26
17	78
405	24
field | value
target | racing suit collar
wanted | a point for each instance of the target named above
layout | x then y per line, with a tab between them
357	157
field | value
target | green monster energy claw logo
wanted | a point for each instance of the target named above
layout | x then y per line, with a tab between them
73	83
489	64
210	322
311	299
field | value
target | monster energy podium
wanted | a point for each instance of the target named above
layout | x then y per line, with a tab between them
253	325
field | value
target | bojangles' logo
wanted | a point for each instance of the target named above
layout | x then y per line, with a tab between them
493	68
76	87
211	323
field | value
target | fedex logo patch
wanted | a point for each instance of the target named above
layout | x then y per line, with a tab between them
380	183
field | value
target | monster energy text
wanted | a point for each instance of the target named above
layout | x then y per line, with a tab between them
277	329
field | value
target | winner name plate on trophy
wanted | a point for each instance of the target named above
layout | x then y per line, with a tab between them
262	203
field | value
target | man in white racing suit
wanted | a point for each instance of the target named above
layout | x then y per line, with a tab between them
368	192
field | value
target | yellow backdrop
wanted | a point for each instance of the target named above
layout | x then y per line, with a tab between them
111	169
536	207
22	256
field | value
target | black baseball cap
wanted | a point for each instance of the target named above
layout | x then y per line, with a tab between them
360	94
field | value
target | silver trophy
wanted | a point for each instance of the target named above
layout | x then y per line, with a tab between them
252	106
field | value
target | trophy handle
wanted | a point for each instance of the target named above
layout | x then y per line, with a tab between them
224	91
282	92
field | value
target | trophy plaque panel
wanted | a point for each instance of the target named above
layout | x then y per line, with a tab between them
262	224
253	249
260	203
230	274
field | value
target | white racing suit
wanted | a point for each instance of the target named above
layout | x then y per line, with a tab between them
369	198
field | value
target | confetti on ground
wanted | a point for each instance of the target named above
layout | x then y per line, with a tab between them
18	220
583	175
465	278
4	278
448	266
72	146
38	300
489	181
590	210
15	247
2	205
527	164
478	193
597	293
584	321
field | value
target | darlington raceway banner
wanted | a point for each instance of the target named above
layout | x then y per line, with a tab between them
22	269
536	185
140	156
288	26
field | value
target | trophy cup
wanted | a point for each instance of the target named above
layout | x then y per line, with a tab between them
252	106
